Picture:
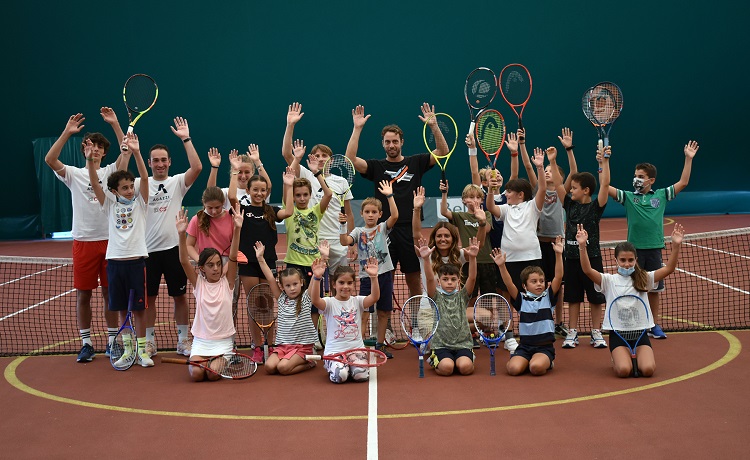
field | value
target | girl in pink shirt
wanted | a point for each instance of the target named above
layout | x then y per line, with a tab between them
211	227
213	327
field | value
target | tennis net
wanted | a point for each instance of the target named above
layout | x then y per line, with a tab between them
709	290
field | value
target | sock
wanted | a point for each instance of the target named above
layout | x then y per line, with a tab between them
127	342
150	335
182	332
86	336
142	346
111	334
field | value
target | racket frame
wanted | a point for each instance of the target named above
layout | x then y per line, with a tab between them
437	158
264	329
634	348
391	339
126	325
420	345
205	364
133	121
496	154
341	357
341	195
493	343
475	109
502	93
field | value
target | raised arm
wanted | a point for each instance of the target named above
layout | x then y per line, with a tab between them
181	221
260	250
582	237
318	270
677	237
110	117
182	131
441	146
527	163
499	257
602	157
288	210
493	187
214	157
444	211
558	246
359	118
73	126
424	252
293	116
372	271
476	179
555	174
88	151
541	191
253	152
416	218
566	139
471	254
512	143
691	148
234	248
235	163
387	190
134	146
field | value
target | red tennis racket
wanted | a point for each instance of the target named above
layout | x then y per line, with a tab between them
359	357
515	86
234	366
490	134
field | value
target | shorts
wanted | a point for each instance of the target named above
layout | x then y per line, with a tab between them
548	260
336	255
165	263
211	347
340	372
515	269
252	269
577	283
528	351
650	260
486	281
615	341
126	276
385	282
286	351
401	249
441	353
89	264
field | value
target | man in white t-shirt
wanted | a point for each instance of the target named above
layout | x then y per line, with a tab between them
164	203
90	232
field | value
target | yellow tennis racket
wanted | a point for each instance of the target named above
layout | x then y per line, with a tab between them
440	136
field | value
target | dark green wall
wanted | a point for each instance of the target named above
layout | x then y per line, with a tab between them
233	67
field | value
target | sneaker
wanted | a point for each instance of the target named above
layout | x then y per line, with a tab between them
477	341
115	349
511	344
571	340
433	361
145	361
258	355
561	330
381	347
656	332
124	360
597	341
151	348
184	347
86	354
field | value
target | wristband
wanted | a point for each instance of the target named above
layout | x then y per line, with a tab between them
389	195
318	173
187	139
214	167
483	224
232	260
570	148
316	278
234	173
514	154
472	152
259	166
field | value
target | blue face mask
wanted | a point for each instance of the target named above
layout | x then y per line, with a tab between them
124	201
625	271
443	291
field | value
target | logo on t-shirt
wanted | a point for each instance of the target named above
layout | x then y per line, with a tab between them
347	324
161	189
655	202
400	175
245	201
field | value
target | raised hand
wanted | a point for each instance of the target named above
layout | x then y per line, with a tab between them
422	249
512	142
582	235
419	197
234	160
74	125
372	267
325	249
108	115
180	128
566	139
691	148
131	141
551	154
558	245
358	116
181	221
294	114
498	256
473	248
538	158
342	218
88	150
494	183
239	216
479	213
318	268
288	177
253	152
214	157
385	188
260	249
428	114
298	150
470	141
444	186
521	136
678	234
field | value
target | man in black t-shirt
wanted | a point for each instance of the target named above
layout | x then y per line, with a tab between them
405	173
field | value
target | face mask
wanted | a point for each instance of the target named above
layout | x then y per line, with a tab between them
533	297
443	291
638	184
124	201
625	271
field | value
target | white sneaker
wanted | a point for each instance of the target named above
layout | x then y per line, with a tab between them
184	347
571	340
597	341
511	344
151	348
145	361
124	360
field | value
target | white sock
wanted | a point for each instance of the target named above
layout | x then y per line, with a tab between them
182	332
111	334
86	336
150	335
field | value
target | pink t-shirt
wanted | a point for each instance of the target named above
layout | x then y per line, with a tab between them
219	234
213	310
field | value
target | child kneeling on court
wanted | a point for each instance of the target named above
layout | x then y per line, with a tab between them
535	307
343	315
213	327
630	279
452	343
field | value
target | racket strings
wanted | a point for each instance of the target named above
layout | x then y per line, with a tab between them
515	84
616	95
237	366
448	128
629	316
140	93
490	132
261	305
492	316
339	166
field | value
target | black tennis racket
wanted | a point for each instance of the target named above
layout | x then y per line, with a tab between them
490	133
139	93
419	320
234	366
123	352
515	87
262	309
492	318
629	317
479	90
598	105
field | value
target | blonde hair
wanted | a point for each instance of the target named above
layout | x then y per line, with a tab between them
471	191
371	201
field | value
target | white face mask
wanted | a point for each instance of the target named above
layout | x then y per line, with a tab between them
533	297
638	184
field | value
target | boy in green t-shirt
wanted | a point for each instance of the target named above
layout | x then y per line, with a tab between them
644	209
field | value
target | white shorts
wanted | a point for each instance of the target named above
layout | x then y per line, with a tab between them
337	255
211	347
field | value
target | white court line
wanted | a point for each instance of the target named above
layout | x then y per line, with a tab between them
734	254
713	281
36	305
372	415
33	274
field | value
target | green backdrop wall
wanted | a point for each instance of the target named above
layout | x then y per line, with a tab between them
231	68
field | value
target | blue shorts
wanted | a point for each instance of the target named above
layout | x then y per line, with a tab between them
125	276
385	282
528	351
650	260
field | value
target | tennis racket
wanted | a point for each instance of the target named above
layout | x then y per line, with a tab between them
447	127
262	308
480	89
234	366
492	318
339	175
616	93
515	87
395	337
490	133
139	93
123	352
630	319
598	105
359	357
419	320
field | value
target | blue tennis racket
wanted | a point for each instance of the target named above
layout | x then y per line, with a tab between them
630	318
124	350
419	320
492	318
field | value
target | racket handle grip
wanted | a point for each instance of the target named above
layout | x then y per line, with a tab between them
492	366
313	357
471	128
175	361
421	367
342	225
600	144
